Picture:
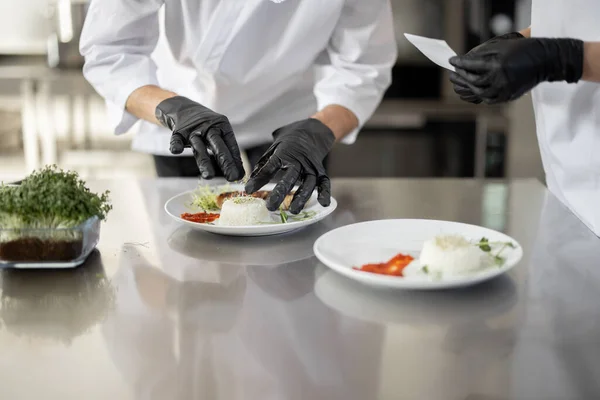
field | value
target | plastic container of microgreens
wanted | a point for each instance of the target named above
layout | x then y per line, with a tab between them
49	248
50	220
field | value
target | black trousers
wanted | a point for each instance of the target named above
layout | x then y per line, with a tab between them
186	167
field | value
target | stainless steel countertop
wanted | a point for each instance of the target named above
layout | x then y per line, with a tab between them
187	315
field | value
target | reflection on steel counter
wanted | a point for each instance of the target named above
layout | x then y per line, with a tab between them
467	324
256	333
562	317
55	304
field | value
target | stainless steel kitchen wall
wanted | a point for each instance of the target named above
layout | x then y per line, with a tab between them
523	17
419	17
24	26
63	45
414	76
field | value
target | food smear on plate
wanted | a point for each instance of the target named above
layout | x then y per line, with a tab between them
244	211
201	217
451	255
393	267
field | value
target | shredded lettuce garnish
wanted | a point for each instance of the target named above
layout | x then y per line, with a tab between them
205	197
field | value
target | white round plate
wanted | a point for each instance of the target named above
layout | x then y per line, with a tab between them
180	204
378	241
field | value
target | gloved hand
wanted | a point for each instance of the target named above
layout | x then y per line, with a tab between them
465	93
299	150
507	70
195	126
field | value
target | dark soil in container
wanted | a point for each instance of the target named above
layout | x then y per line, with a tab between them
36	249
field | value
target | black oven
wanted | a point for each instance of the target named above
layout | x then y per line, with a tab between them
485	19
435	148
415	77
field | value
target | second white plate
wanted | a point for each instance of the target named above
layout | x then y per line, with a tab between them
378	241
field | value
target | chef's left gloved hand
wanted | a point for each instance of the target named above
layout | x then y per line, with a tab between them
299	150
511	68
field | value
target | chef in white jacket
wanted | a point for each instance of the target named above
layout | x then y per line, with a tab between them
559	58
207	76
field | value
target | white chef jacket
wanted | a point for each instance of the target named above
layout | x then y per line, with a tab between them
568	115
261	63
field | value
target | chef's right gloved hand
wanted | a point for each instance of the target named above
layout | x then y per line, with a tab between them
465	93
299	150
200	128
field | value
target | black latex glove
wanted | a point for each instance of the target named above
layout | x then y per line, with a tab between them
509	69
465	93
299	150
195	126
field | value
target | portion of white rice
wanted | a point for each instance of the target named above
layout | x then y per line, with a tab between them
451	255
243	211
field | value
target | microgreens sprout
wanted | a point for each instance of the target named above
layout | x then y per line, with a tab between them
486	246
50	199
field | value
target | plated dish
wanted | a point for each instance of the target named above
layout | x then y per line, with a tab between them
228	210
417	254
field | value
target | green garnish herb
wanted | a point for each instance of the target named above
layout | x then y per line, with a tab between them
50	199
244	199
485	245
425	269
303	216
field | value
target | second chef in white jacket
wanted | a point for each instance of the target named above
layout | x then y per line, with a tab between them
282	79
558	59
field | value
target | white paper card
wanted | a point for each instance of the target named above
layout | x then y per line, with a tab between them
436	50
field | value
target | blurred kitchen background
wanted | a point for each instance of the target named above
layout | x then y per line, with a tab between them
49	114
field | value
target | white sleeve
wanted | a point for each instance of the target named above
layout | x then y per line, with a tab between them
362	52
117	40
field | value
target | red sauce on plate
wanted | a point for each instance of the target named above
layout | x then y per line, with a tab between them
201	218
393	267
